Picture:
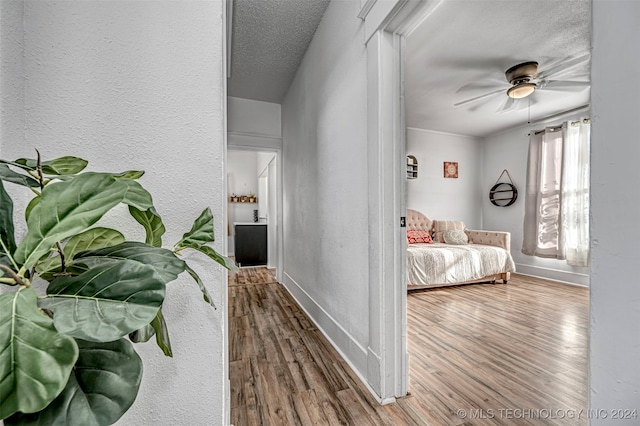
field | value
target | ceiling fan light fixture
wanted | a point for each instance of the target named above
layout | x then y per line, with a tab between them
522	90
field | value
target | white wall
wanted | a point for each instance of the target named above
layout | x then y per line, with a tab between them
140	85
242	172
615	229
325	182
11	72
254	117
242	177
433	194
509	150
254	124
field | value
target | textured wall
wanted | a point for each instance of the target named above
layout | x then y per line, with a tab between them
139	85
615	229
325	177
11	72
433	194
254	117
509	150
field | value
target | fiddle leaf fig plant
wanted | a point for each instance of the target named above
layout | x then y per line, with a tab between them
67	352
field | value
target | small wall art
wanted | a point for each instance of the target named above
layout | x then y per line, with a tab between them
450	169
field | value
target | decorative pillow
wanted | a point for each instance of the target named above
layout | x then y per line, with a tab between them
455	236
439	226
418	236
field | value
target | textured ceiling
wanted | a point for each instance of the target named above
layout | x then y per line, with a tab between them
464	47
269	39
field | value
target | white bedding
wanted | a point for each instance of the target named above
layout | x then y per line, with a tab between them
438	263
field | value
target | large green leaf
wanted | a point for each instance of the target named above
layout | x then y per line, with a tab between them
27	211
5	261
201	231
205	293
104	385
6	222
110	300
94	238
136	195
67	165
22	166
35	360
162	261
152	223
217	257
158	327
130	174
9	175
65	209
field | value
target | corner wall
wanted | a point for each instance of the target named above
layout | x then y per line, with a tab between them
615	229
439	197
509	150
326	183
139	85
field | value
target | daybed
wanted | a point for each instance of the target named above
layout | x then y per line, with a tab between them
484	257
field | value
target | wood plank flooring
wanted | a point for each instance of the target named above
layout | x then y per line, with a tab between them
497	354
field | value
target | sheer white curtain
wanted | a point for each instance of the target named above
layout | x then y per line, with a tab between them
575	193
556	223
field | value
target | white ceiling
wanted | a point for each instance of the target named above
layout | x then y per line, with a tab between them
463	48
268	40
460	51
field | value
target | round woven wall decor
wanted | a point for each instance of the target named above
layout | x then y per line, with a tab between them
503	194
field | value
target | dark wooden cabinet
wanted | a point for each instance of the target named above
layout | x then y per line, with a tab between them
251	244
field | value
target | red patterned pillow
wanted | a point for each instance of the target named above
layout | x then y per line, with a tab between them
418	236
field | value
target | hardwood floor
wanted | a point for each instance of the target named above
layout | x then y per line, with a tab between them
498	354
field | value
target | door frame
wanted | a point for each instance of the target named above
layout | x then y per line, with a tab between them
240	144
390	24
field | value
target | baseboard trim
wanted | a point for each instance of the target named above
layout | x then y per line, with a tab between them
349	349
565	277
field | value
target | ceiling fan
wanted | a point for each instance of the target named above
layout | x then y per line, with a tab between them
525	79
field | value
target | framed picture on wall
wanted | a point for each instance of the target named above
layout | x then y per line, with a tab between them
450	169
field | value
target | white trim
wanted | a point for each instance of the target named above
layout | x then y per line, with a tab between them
226	398
384	34
386	364
366	9
254	135
410	15
253	141
229	32
438	132
565	277
329	327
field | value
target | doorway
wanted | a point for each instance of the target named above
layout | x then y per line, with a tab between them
253	197
506	148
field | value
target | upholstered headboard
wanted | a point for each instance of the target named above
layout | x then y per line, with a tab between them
416	220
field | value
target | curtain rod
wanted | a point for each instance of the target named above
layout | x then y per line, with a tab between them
549	117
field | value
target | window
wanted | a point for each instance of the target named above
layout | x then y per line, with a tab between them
556	223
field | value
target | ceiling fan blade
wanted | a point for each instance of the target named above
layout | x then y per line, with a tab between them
507	105
564	85
564	66
481	86
477	98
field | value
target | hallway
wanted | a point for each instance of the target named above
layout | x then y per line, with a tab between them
529	353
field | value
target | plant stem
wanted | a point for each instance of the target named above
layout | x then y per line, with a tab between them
14	276
39	170
63	268
9	281
6	250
